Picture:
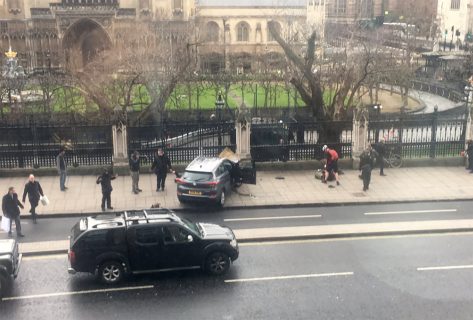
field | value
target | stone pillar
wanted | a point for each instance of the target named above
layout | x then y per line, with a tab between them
359	136
243	133
120	144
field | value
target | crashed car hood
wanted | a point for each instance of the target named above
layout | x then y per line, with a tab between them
7	246
214	231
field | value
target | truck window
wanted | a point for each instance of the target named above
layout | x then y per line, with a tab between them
103	238
174	234
146	235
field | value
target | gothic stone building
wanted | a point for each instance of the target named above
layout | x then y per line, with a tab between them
227	34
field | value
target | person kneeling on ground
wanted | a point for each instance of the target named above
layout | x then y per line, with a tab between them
332	163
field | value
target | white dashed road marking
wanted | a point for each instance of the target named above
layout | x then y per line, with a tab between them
74	293
275	218
380	213
299	276
445	268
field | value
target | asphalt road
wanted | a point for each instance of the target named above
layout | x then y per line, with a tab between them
402	277
58	228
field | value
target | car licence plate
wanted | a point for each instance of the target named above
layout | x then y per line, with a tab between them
195	193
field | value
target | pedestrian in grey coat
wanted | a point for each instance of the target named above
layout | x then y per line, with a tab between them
135	172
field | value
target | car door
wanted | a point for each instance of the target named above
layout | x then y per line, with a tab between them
248	171
179	250
224	175
145	247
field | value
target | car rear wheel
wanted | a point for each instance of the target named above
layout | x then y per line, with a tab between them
217	263
221	199
110	272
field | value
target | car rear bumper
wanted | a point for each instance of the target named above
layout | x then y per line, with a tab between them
71	270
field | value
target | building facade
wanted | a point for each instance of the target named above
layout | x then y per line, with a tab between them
228	34
237	36
455	19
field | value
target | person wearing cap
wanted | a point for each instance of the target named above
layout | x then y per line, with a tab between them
332	163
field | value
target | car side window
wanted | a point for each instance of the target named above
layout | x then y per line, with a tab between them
146	235
228	166
220	170
174	234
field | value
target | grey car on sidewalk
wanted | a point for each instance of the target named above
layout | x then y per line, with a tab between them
211	179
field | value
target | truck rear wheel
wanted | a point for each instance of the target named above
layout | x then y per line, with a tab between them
110	272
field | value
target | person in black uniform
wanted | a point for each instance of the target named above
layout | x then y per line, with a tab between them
380	149
161	166
34	191
105	179
367	160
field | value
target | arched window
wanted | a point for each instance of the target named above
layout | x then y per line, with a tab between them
278	28
213	32
243	31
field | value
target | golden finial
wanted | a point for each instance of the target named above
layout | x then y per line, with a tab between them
10	54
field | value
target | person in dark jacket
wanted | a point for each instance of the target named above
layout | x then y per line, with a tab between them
161	166
380	149
105	179
135	172
10	204
34	191
469	153
367	161
61	165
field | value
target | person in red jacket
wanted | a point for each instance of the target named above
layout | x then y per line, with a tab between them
332	163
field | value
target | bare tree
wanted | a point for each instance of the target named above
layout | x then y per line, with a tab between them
339	77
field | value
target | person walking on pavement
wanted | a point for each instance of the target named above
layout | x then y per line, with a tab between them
62	168
380	149
332	163
161	166
135	172
10	204
469	154
367	161
105	179
34	191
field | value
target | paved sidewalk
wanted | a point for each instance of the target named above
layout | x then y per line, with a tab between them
273	188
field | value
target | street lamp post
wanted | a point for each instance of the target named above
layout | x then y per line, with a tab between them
219	104
468	98
377	111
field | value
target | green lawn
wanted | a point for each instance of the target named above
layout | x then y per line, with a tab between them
183	97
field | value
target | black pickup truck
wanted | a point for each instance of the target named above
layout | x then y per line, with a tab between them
145	241
10	261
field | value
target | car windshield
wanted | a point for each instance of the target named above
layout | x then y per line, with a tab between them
192	225
197	176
